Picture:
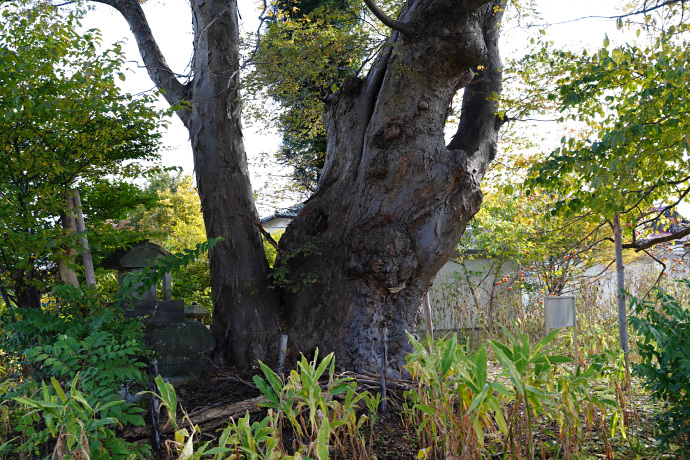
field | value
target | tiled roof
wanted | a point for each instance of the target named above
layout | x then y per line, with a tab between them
669	223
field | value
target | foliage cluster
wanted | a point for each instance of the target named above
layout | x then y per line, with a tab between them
664	348
626	149
64	122
176	223
77	368
321	423
102	354
548	252
630	97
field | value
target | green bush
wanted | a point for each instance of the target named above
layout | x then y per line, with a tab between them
82	343
79	424
95	357
664	325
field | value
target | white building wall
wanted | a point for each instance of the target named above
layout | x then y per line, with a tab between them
454	305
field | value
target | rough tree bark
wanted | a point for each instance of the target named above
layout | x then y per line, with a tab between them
393	199
246	314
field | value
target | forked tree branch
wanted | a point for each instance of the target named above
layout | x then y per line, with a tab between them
159	71
401	27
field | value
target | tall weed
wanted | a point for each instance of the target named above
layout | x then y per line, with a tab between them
462	413
454	401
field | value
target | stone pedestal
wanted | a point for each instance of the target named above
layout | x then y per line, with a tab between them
157	311
183	349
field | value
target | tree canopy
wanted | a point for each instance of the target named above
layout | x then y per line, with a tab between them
63	122
630	102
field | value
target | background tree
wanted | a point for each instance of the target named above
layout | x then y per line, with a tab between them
631	99
176	224
64	121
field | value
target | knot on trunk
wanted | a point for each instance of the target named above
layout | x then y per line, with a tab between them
390	132
455	33
382	252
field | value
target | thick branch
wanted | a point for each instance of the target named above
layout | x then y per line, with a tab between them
392	23
159	71
265	234
479	104
655	241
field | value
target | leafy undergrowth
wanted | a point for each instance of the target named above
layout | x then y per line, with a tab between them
394	436
287	430
503	400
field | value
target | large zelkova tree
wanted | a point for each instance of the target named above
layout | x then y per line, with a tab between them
63	121
392	200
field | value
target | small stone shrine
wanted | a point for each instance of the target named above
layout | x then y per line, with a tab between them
182	347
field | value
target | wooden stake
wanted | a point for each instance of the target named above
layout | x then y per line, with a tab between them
427	320
281	353
69	223
620	287
383	407
155	407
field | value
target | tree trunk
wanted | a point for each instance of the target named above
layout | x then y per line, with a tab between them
245	316
69	252
89	272
393	199
29	295
620	289
246	313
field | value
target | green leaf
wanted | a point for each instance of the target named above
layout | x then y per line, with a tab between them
448	356
322	440
546	340
426	409
322	367
480	361
479	399
272	377
266	390
58	389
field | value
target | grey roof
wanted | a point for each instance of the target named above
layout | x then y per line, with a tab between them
142	254
284	213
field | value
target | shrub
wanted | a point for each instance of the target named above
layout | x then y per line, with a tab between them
94	357
664	326
79	342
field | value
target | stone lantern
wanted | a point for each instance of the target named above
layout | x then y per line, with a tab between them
143	256
196	312
182	348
